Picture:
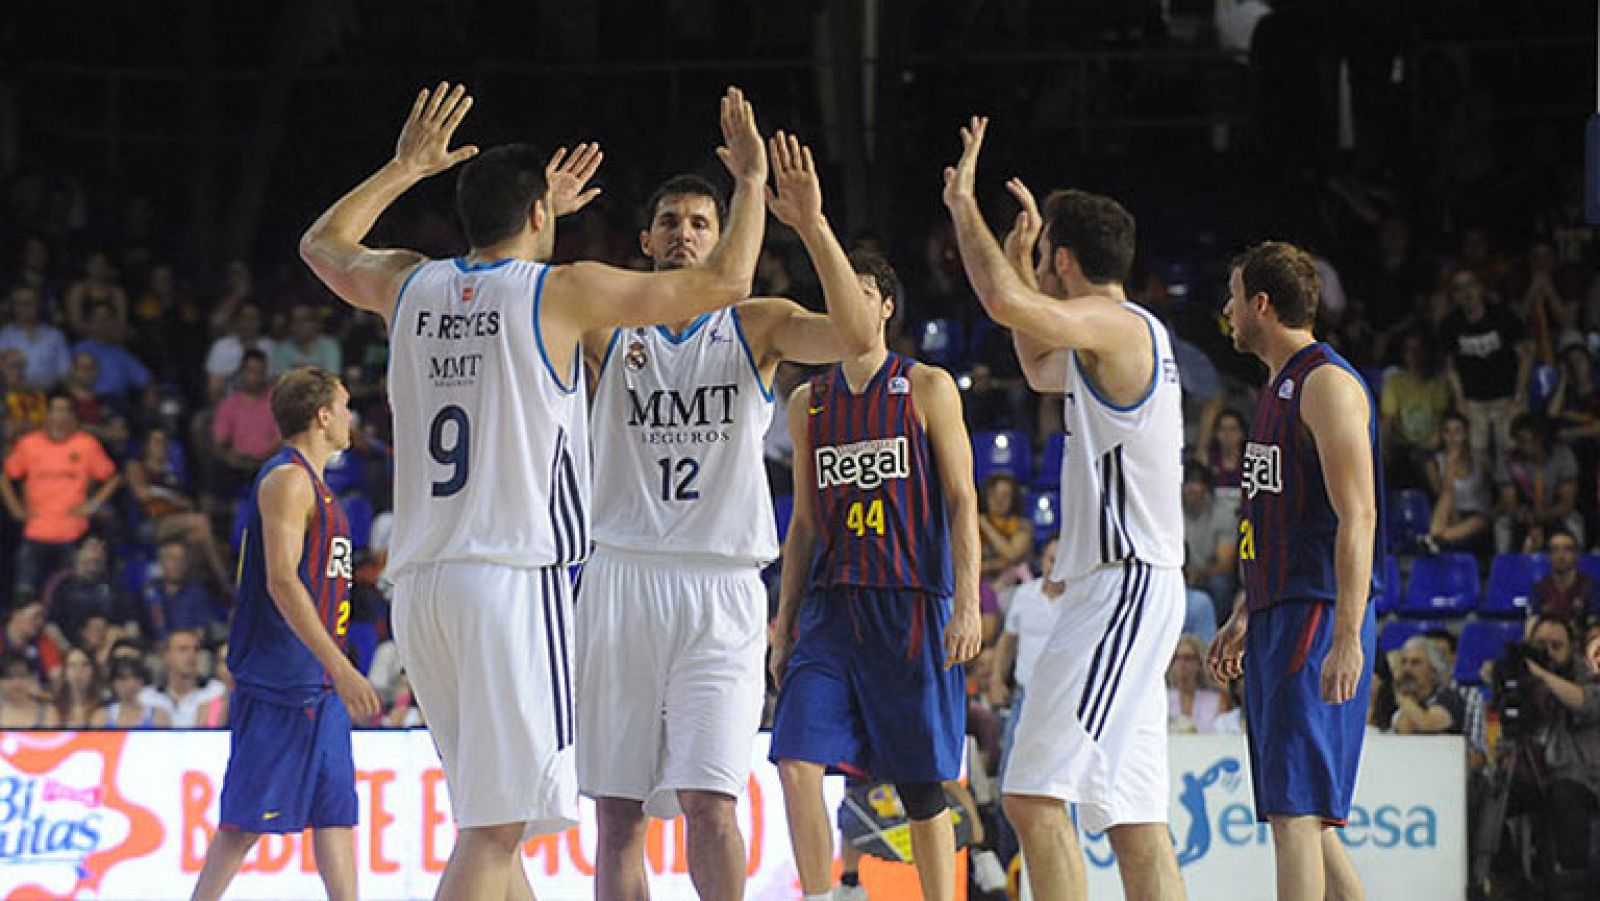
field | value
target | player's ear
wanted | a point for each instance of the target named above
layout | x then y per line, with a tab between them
1062	262
644	241
538	215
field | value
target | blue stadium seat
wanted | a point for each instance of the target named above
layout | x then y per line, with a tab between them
1410	514
1541	384
363	640
1510	589
1049	472
980	332
360	513
1388	597
994	452
1482	641
783	509
1446	585
1044	510
939	342
1589	565
1395	632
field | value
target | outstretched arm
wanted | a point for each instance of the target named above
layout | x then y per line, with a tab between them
362	276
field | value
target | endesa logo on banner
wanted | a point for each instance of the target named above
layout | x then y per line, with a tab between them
1406	832
64	823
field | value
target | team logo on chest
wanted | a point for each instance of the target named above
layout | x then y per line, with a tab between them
1262	469
636	359
341	557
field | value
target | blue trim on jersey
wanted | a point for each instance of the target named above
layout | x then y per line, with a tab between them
464	266
616	335
1155	375
538	336
688	333
394	314
749	355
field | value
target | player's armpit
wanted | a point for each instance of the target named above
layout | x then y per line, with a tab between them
780	329
367	279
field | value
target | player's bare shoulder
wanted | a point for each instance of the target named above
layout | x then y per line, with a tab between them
933	390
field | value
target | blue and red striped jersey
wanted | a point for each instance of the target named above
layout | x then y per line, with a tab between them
1286	540
263	652
879	506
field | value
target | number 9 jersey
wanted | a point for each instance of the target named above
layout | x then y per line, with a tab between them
491	458
879	506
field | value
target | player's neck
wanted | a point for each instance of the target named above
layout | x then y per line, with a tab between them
859	370
1283	344
1081	288
316	452
522	247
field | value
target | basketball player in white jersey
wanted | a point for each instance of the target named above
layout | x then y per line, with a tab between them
491	493
672	615
1093	732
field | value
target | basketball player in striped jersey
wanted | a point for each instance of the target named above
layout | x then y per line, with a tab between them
1093	734
290	766
884	534
672	615
1313	524
491	472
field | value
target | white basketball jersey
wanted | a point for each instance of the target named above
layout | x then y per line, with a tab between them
679	423
491	444
1122	469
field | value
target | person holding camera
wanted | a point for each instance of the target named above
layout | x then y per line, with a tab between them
1564	706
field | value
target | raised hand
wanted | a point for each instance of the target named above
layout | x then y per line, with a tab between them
960	180
1024	234
424	145
799	195
566	178
742	150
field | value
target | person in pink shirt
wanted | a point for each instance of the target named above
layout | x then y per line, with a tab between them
56	466
243	432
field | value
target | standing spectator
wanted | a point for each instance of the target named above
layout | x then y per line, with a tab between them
24	637
1226	457
243	432
1427	706
130	707
1211	549
20	704
86	590
227	355
186	691
1006	535
25	404
1192	705
98	285
175	600
1462	492
1489	360
169	511
1415	400
1538	485
81	696
306	344
1566	593
56	467
121	373
45	346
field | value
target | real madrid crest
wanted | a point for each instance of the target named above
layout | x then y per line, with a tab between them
636	358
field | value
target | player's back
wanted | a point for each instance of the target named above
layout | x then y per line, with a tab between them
1122	468
264	654
491	443
879	504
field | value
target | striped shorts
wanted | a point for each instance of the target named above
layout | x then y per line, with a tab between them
1094	730
488	649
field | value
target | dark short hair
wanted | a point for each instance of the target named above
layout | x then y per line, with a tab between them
874	264
1098	230
1531	422
1572	634
61	394
256	354
1553	532
127	666
686	185
496	189
298	395
1287	275
1444	635
1195	471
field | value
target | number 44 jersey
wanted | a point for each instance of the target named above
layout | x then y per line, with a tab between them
491	456
679	423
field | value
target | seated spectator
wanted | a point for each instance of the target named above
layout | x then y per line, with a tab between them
97	415
227	353
1462	493
24	637
21	704
307	344
1574	406
406	713
238	288
1538	485
56	467
81	696
121	373
1211	551
1426	704
1474	725
214	713
1030	618
243	433
186	692
1566	593
999	397
25	404
1006	536
1226	456
170	512
1415	399
1231	721
87	590
98	285
130	707
176	601
43	346
1192	706
97	637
